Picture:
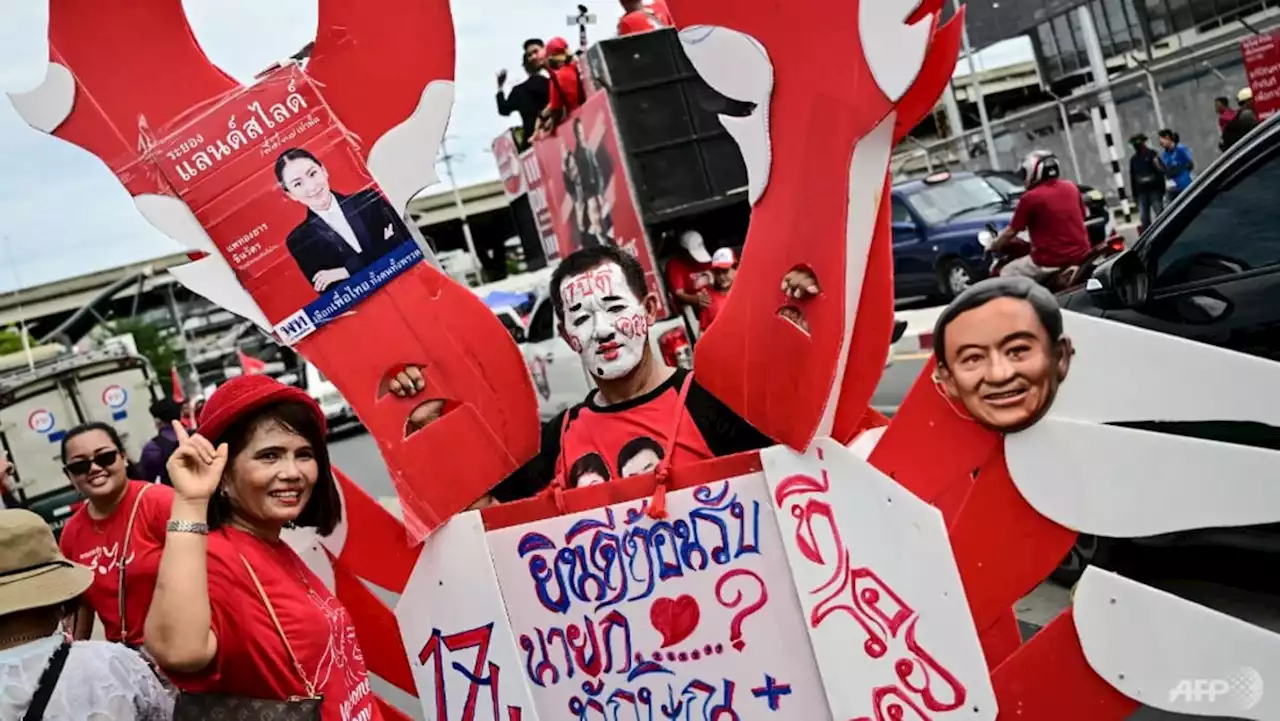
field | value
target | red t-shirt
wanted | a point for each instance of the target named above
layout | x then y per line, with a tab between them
1053	212
628	439
719	299
252	660
687	275
654	16
98	543
566	78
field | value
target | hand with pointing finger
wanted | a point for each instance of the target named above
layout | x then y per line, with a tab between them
196	467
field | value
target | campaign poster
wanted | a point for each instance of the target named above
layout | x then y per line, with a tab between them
588	194
1262	67
281	189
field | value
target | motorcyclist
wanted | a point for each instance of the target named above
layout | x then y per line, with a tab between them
1052	212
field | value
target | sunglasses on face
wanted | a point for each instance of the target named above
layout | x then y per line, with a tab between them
103	460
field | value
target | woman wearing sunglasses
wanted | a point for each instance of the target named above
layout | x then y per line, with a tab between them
238	619
119	533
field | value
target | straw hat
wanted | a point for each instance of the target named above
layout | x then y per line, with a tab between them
33	572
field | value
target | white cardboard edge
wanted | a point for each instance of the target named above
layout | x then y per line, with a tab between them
1164	652
47	105
403	160
1124	483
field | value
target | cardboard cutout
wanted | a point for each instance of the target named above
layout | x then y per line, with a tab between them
828	150
207	162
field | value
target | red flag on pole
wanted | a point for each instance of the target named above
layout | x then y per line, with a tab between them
250	365
176	380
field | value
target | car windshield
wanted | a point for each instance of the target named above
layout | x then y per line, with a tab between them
1004	185
954	198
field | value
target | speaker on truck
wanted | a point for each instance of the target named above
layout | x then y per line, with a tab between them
680	156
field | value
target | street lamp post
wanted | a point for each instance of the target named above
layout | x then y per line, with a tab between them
448	157
976	84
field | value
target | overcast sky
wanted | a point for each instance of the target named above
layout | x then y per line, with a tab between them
62	213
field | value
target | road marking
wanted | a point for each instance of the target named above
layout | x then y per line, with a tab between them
912	357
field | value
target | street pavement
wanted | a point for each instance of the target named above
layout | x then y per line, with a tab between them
1204	576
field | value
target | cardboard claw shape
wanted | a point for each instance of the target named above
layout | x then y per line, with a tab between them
1214	665
350	289
820	208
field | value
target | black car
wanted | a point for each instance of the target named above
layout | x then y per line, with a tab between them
1011	186
1207	270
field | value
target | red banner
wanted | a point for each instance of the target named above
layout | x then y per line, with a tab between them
588	196
1262	67
507	155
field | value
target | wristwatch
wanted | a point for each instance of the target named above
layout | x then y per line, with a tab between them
201	529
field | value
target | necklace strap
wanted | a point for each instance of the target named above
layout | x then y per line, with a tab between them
311	690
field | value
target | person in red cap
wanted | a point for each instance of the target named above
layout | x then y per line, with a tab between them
644	16
235	611
723	271
566	86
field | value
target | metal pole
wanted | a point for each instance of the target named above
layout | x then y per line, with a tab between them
457	201
26	344
1154	91
956	122
1071	143
977	94
176	316
1108	128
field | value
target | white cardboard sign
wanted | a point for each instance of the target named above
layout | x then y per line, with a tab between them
619	616
881	593
455	631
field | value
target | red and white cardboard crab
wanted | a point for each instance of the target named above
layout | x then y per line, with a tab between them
877	589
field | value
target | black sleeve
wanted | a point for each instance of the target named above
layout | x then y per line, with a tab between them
538	473
725	432
506	105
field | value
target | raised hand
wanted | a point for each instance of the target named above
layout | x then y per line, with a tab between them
196	467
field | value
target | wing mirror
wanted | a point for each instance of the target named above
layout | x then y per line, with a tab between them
1121	282
987	236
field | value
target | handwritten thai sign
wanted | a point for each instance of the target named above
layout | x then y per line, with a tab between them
818	589
283	193
881	593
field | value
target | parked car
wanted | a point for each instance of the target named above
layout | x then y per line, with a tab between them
936	222
1097	216
1208	270
337	411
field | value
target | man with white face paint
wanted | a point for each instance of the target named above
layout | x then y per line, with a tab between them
605	312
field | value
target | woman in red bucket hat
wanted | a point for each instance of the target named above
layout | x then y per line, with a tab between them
237	618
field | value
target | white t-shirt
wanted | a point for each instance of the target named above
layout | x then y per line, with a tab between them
336	219
101	681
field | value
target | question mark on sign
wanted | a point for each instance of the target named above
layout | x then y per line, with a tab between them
735	626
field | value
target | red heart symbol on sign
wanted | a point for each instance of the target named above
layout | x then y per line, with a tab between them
676	619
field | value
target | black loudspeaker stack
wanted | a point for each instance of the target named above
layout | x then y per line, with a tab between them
680	156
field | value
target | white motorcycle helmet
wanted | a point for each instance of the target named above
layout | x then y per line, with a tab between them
1039	166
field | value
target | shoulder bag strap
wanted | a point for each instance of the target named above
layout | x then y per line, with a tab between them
124	557
48	681
311	690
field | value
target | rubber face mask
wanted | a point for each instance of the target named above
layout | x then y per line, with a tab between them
604	321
